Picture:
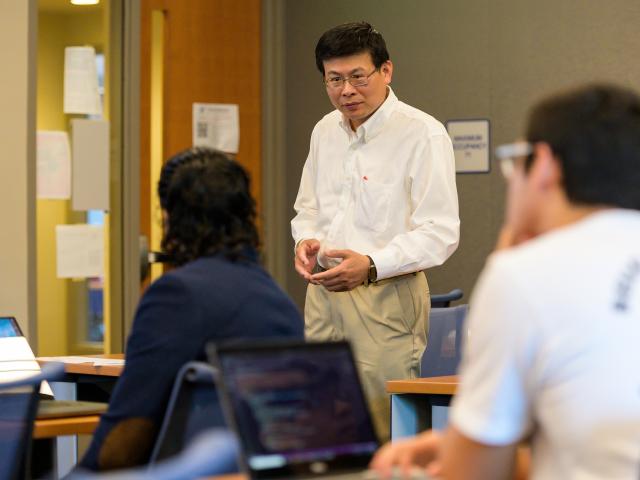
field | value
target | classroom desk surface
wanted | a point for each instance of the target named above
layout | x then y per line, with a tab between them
429	385
419	404
90	368
53	427
77	424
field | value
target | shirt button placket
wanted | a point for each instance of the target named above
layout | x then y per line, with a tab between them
345	193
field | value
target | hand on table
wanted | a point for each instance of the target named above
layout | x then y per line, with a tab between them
421	451
351	272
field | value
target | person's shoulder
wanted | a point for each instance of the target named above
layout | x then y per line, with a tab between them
217	266
202	270
530	256
418	119
330	121
558	251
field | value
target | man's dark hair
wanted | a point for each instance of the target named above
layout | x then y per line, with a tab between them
351	39
594	132
205	195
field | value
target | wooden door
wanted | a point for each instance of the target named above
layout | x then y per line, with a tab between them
196	51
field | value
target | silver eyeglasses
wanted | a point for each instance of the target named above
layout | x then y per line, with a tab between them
509	153
355	80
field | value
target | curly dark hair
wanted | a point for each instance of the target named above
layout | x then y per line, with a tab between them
209	208
351	39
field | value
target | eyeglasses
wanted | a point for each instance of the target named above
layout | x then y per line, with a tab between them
355	80
509	153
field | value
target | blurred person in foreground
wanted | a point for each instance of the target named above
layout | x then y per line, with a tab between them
552	357
216	292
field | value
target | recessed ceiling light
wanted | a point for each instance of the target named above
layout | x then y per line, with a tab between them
85	2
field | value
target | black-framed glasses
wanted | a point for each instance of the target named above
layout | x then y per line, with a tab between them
356	80
509	153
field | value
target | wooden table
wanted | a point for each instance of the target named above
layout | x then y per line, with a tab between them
76	425
90	368
419	404
86	376
53	427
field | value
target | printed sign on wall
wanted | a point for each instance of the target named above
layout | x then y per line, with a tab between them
471	144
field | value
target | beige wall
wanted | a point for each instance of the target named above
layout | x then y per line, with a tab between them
55	297
17	166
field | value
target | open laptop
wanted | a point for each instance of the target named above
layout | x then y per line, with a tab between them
47	406
298	408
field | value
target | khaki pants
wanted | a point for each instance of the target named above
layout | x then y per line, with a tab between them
386	323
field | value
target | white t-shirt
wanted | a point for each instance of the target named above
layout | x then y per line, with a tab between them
554	350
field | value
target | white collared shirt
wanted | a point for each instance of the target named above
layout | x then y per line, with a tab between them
387	190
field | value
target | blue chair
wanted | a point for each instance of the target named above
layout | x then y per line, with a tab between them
212	452
444	300
192	408
444	342
18	407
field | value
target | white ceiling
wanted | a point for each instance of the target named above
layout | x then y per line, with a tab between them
64	6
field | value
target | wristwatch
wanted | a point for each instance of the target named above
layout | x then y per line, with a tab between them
373	272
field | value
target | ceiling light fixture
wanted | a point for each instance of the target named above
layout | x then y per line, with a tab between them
85	2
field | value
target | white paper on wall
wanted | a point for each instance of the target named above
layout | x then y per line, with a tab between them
90	176
53	165
79	251
81	94
216	125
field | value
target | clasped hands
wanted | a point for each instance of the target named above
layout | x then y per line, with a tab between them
351	272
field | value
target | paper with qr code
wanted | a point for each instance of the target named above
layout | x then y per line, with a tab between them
216	125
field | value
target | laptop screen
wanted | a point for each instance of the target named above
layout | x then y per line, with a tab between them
297	407
9	327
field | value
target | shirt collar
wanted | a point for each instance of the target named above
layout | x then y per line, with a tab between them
375	122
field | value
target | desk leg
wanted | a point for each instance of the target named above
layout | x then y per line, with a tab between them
410	414
66	446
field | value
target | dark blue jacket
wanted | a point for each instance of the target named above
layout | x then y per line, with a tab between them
208	299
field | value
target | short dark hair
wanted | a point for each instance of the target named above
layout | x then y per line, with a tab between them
350	39
206	197
594	131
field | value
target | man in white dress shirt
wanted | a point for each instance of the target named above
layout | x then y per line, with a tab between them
552	358
377	205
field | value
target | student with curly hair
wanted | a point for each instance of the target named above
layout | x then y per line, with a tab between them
217	292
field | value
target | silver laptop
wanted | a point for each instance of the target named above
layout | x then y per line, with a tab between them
298	408
47	406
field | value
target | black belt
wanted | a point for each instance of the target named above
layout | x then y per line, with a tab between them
319	269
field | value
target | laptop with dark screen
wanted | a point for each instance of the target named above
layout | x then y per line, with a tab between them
298	408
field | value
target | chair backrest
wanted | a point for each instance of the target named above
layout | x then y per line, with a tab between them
443	300
193	407
18	406
444	342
